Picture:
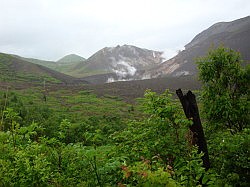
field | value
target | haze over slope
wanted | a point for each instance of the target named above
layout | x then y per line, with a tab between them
235	34
123	61
129	62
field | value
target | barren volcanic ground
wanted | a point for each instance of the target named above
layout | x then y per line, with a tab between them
128	91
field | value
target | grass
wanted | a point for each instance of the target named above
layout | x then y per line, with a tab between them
16	70
74	106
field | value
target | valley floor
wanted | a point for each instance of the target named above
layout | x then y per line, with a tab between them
127	90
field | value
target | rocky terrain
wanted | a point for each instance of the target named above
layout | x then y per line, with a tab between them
122	61
129	63
235	35
132	63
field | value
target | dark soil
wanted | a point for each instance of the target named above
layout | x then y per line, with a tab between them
127	90
130	90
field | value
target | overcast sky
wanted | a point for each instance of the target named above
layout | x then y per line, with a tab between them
50	29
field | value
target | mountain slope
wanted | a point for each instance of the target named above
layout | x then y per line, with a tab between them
124	61
13	69
46	63
235	34
70	59
63	65
67	63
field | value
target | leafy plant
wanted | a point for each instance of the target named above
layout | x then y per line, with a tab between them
226	85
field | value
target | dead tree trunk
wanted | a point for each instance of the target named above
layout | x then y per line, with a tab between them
190	108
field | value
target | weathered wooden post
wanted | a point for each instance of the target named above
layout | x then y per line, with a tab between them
191	111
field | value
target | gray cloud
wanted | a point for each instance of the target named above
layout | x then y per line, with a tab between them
50	29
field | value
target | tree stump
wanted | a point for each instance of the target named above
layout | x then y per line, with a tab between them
191	111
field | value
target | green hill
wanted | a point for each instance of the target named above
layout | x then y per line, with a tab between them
15	69
49	64
72	58
63	65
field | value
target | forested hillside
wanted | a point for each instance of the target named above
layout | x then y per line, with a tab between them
64	137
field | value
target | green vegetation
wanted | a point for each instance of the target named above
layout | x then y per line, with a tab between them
49	64
64	65
74	138
72	58
85	71
225	96
4	67
14	70
225	89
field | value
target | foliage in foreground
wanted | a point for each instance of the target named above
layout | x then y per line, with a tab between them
48	144
151	151
226	100
226	86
